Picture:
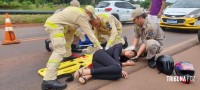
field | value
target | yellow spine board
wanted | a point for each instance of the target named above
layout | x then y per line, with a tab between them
70	66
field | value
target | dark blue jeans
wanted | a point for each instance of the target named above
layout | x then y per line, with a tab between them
105	67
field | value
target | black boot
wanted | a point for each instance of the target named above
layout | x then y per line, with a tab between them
47	46
126	43
53	84
152	62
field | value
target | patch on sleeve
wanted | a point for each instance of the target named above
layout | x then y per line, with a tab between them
108	25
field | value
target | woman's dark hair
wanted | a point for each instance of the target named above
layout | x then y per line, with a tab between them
124	58
135	53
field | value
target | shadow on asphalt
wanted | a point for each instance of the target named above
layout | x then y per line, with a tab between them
185	31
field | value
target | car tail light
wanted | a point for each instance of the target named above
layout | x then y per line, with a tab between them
108	9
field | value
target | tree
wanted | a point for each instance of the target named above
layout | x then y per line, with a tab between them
145	3
40	1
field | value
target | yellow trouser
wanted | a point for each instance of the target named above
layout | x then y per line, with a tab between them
69	38
57	36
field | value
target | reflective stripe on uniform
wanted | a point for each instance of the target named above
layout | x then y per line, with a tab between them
51	25
118	37
78	10
110	42
54	61
96	44
68	45
104	15
57	35
77	33
119	30
66	27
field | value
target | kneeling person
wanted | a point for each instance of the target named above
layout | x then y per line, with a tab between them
106	24
151	36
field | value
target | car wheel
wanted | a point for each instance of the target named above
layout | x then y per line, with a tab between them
116	15
199	35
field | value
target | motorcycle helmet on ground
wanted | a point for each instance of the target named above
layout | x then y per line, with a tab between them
185	71
165	64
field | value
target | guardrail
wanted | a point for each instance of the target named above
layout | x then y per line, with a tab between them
25	12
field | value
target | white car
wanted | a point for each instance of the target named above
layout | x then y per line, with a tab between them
122	10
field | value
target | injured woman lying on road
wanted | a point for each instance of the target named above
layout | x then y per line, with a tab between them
107	64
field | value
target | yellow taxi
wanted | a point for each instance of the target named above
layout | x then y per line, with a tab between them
183	14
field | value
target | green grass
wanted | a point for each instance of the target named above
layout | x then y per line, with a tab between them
25	19
45	7
38	18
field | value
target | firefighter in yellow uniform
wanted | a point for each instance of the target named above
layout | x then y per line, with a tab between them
69	36
54	26
106	24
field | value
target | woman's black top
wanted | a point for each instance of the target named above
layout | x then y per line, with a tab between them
115	52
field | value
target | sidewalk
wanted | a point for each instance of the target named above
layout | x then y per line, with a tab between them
149	79
141	68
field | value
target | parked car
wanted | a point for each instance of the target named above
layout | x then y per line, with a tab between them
183	14
122	10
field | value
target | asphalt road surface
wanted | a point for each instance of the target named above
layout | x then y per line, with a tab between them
19	63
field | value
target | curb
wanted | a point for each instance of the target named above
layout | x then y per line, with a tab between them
180	47
172	50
